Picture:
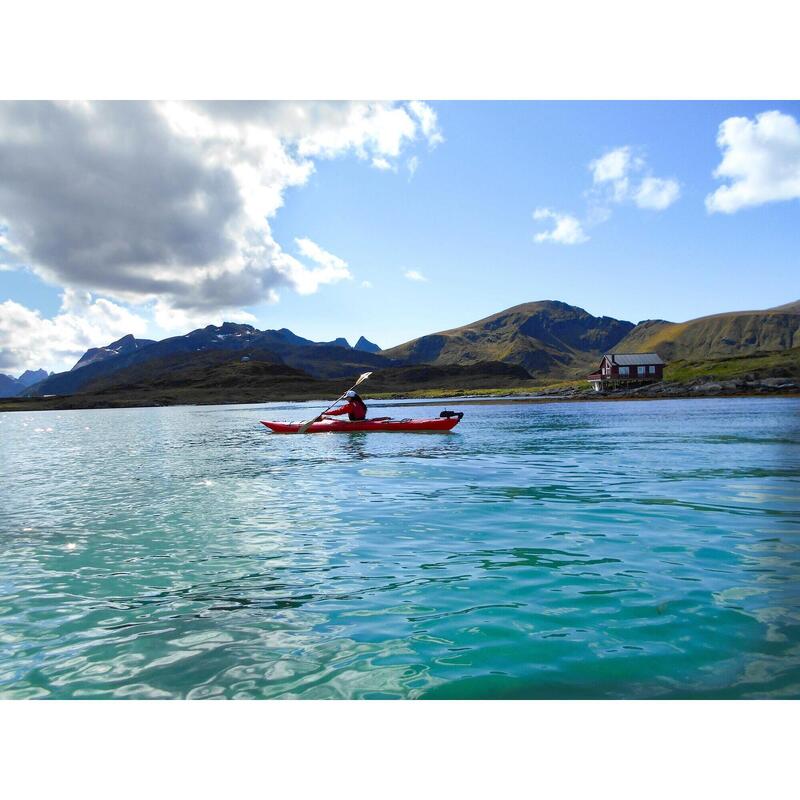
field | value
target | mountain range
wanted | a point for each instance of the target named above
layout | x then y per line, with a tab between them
318	359
543	341
11	387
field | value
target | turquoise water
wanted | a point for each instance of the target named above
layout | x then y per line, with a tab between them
620	550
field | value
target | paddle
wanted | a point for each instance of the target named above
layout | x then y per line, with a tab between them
306	425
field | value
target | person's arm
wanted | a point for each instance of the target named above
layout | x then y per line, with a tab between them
345	409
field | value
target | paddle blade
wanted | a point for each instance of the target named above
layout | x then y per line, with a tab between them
362	377
306	425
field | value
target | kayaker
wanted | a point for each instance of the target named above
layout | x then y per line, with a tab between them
355	407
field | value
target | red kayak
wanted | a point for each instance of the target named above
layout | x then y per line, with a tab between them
387	424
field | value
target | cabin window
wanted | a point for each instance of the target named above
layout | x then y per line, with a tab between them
624	370
640	370
652	370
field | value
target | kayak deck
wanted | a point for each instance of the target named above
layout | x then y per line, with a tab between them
386	424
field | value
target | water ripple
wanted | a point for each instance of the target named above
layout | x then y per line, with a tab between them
596	550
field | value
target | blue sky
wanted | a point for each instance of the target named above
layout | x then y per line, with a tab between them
464	221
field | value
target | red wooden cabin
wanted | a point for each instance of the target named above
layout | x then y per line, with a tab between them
627	369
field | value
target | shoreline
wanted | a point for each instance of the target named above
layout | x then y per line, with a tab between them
382	403
33	405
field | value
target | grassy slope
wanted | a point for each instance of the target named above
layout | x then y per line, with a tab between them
785	363
717	336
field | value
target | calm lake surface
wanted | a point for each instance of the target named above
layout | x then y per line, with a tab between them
609	550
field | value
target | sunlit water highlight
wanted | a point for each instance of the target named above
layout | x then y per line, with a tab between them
624	549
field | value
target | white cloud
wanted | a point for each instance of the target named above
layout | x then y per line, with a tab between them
369	129
657	193
615	176
329	268
428	121
175	320
413	275
366	284
612	166
618	176
170	202
413	165
760	159
381	163
30	341
566	228
613	169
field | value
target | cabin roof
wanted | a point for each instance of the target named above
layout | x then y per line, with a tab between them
634	359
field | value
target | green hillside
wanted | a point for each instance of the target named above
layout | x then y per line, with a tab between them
717	336
780	364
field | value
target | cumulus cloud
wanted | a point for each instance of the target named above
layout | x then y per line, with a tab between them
329	268
656	193
30	341
613	169
620	175
176	320
428	122
413	275
169	203
760	161
566	228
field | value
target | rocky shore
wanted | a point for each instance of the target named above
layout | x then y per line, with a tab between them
699	387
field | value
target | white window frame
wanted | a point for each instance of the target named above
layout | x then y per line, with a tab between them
624	371
640	371
651	370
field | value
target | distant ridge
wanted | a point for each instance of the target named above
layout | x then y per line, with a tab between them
366	345
340	342
546	337
127	344
31	376
318	359
11	387
718	335
790	307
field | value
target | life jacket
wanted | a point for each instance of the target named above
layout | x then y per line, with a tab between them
359	409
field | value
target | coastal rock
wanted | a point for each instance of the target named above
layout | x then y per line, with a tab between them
707	388
778	383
